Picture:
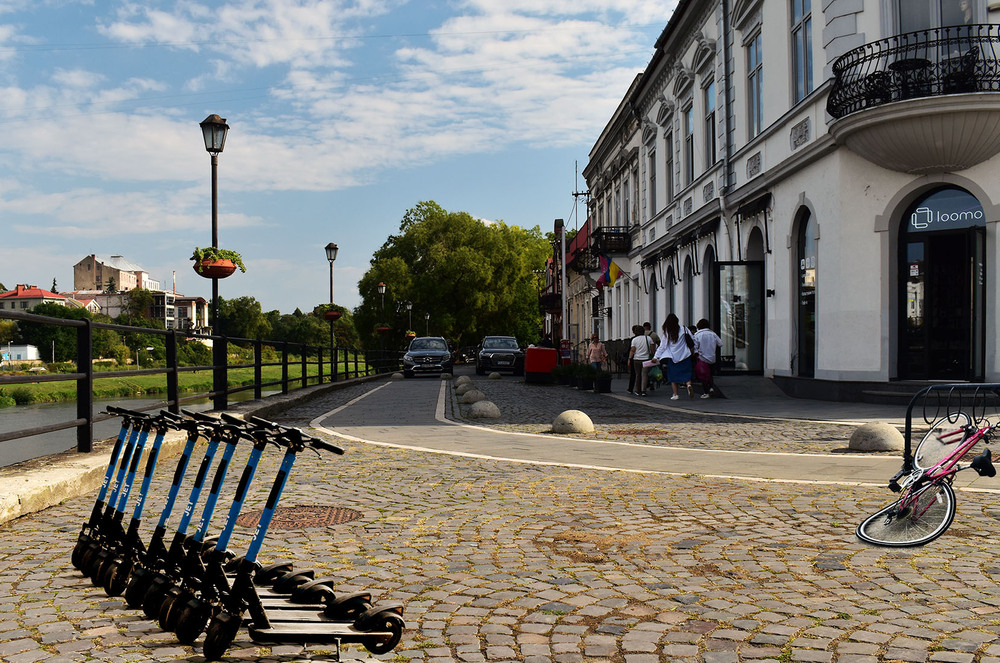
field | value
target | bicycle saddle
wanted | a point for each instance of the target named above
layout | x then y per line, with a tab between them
983	464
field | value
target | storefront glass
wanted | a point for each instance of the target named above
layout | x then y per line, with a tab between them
741	316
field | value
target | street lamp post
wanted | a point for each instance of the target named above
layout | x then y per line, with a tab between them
409	314
214	130
381	336
427	324
331	255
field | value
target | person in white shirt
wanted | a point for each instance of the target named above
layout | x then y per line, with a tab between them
706	346
639	353
675	350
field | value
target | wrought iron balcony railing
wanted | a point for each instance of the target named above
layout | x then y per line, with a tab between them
929	63
611	239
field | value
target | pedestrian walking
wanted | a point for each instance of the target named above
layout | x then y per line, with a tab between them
706	347
597	354
640	354
676	350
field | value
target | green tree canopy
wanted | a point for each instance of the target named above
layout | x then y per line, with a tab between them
42	336
242	317
473	277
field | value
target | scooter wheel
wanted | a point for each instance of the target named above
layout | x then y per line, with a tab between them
287	583
117	580
153	598
170	610
192	620
348	610
82	543
97	563
138	585
382	644
104	573
220	634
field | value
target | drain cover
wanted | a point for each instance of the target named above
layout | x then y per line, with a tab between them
295	517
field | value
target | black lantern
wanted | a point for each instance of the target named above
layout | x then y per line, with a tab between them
214	128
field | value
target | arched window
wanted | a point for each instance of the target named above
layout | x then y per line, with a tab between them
688	293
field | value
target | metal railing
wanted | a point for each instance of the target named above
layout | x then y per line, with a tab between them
928	63
611	239
343	363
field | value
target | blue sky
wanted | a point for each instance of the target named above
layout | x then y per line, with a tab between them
343	114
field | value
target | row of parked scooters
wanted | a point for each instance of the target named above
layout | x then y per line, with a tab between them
192	584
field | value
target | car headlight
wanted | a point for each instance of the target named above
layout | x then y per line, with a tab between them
407	357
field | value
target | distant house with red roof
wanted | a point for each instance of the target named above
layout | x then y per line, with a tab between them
26	297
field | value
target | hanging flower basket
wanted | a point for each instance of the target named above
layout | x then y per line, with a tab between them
332	315
411	334
382	329
215	263
214	269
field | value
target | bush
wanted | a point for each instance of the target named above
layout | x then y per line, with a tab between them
22	396
6	400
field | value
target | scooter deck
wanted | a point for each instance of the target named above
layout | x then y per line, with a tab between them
314	633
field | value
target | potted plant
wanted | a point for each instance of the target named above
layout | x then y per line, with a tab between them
332	314
586	373
410	334
215	263
561	374
602	382
382	327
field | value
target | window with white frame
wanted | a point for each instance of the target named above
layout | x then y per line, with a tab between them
652	182
755	85
626	206
668	165
709	94
802	48
618	207
689	145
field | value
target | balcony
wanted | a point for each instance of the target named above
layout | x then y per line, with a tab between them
921	102
611	239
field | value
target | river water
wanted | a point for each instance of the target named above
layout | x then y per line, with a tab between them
42	414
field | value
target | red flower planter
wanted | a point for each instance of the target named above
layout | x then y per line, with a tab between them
382	329
331	315
214	269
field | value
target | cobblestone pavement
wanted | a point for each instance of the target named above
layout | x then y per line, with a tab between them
499	562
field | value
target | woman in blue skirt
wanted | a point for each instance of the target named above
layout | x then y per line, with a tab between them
675	352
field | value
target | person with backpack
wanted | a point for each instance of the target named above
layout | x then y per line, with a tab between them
640	354
675	354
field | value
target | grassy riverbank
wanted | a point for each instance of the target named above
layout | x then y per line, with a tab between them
192	382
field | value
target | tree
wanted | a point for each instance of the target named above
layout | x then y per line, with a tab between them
8	331
140	302
242	318
42	336
111	287
474	278
54	285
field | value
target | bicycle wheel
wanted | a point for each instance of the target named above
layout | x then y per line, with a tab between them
916	518
940	440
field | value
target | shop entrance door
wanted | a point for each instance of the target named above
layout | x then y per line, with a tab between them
740	295
943	291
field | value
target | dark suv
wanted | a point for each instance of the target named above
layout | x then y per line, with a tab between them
500	353
427	354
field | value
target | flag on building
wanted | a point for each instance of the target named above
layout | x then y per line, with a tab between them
609	271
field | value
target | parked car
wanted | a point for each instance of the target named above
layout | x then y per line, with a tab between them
467	354
500	353
427	354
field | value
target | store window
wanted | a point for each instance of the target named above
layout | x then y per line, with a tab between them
807	281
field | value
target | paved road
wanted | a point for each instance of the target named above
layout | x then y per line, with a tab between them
559	559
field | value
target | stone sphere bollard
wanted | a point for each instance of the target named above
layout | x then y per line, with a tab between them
446	376
464	388
495	376
472	396
483	410
876	436
397	376
572	421
462	379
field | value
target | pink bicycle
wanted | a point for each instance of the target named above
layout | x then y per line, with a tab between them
925	507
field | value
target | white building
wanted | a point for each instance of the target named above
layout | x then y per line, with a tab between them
819	181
